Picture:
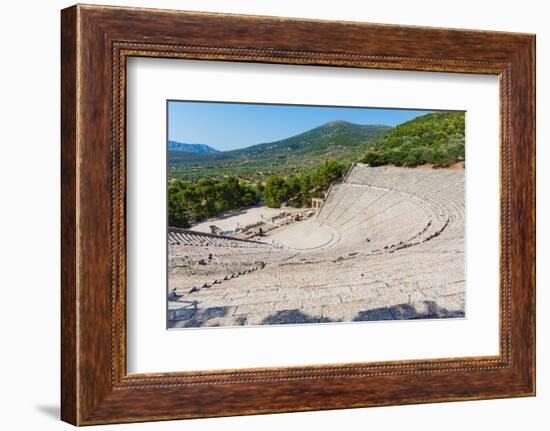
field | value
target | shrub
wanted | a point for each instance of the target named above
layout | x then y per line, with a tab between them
436	138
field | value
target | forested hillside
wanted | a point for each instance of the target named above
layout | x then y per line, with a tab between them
436	138
336	140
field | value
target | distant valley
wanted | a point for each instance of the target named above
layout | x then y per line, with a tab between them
337	140
435	139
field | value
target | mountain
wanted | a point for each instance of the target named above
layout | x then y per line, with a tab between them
340	140
436	138
320	140
190	148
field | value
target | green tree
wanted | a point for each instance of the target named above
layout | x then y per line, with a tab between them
229	194
206	194
276	191
305	189
436	138
375	158
441	158
178	215
293	184
190	202
327	173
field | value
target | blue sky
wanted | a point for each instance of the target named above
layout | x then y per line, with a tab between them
228	126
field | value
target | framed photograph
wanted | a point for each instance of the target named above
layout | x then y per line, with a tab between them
322	214
296	231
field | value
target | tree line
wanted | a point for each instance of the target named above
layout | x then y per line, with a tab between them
436	138
190	202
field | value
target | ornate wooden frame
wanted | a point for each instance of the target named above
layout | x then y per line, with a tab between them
95	42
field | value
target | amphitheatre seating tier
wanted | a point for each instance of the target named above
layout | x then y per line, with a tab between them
190	237
398	253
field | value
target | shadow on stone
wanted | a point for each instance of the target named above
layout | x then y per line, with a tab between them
173	296
190	316
186	312
425	310
293	316
203	315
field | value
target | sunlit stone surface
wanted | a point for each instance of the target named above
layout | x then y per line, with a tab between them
387	244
